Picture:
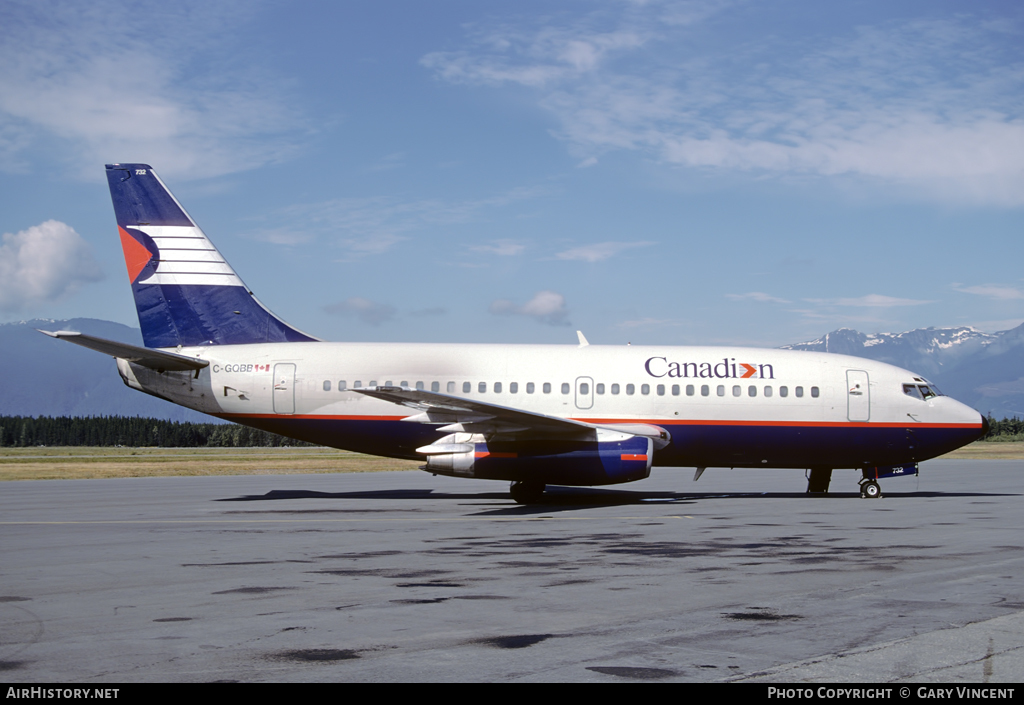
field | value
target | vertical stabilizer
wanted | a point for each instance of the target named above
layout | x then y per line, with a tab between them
185	292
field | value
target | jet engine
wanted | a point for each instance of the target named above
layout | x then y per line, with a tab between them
610	459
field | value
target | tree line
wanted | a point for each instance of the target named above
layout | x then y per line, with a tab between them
1005	429
25	431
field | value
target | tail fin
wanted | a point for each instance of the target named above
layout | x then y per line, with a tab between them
185	293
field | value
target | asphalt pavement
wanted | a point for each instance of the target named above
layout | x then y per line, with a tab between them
403	576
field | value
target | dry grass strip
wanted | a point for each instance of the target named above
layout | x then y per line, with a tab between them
55	463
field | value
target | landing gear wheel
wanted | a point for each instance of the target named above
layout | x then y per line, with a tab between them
871	490
527	492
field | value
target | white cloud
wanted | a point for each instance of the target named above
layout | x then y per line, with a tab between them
369	312
546	307
992	291
44	264
933	106
142	81
502	248
649	322
757	296
363	227
871	301
599	251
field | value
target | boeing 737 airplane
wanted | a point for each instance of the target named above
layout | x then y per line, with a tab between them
532	415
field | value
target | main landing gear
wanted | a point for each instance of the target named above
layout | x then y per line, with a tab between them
527	492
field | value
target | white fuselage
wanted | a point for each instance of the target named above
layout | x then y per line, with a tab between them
725	405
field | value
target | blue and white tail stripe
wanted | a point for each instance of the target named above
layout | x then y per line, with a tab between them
185	292
185	256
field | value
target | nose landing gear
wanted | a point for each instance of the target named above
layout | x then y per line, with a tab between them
869	489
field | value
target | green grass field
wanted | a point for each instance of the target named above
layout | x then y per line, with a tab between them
56	463
65	463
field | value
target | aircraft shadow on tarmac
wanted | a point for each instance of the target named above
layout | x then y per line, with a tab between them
574	498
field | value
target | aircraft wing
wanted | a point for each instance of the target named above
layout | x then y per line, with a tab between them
153	359
461	415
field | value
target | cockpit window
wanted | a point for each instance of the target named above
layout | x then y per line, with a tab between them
935	390
928	393
911	390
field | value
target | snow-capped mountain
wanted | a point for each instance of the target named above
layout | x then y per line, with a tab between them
985	370
925	350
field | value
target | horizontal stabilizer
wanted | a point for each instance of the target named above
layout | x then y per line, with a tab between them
153	359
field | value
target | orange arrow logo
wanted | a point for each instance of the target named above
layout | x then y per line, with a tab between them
750	370
136	256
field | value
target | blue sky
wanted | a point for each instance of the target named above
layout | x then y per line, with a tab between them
656	172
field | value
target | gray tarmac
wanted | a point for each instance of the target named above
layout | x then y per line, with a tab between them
407	577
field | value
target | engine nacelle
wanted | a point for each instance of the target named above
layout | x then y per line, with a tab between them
606	461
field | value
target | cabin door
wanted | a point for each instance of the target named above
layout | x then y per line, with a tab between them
858	396
284	388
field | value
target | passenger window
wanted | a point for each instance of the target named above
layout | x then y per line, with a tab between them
783	391
419	386
645	389
357	384
451	387
403	383
767	391
615	389
751	391
660	389
799	391
387	383
341	386
630	389
599	388
565	387
705	390
373	383
327	385
513	387
497	387
584	388
435	386
482	387
736	390
529	387
689	390
546	388
675	390
814	392
467	387
721	390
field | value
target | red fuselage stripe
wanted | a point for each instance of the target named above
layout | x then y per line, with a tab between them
658	422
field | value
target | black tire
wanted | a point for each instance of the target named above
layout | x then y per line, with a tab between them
871	490
527	492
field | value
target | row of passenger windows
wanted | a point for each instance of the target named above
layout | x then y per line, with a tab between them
566	388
